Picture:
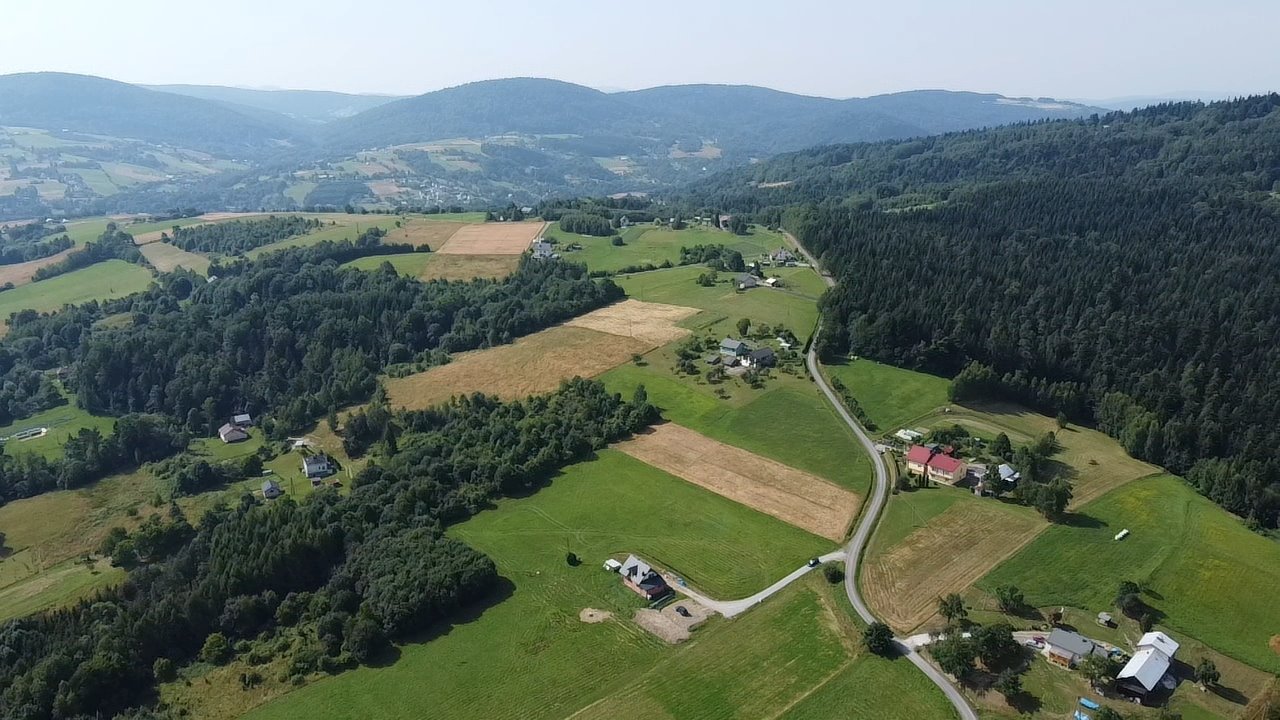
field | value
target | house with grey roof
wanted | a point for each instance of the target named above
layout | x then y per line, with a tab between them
733	348
762	357
637	575
745	280
232	433
271	489
316	466
1067	648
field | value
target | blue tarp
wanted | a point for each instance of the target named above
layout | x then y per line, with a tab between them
1081	716
1089	703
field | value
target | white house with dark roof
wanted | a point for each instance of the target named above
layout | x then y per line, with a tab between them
646	581
316	466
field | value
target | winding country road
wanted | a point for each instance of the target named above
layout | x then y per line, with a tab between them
870	516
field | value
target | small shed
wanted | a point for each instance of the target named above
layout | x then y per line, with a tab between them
1105	619
612	565
271	489
745	281
243	420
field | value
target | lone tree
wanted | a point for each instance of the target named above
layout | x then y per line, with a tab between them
833	572
744	326
1010	598
952	608
1129	599
1008	683
878	639
1207	673
955	655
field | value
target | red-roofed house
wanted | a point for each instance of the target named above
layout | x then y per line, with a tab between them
938	467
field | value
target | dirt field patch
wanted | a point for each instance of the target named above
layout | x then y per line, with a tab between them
21	273
385	188
803	500
651	322
432	233
1275	644
469	267
493	239
533	364
593	616
669	624
952	552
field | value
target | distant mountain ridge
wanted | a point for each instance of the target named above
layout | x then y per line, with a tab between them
315	106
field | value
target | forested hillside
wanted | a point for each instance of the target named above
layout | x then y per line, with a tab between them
1124	269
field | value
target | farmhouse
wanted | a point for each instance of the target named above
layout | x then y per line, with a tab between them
271	489
763	357
1147	669
316	466
745	281
1067	648
782	255
935	465
723	221
637	575
232	433
733	348
543	250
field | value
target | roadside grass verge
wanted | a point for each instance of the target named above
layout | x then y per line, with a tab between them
892	397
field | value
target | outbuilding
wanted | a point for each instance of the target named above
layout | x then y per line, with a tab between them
232	433
271	489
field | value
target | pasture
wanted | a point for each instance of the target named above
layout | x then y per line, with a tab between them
795	497
654	245
410	264
787	420
469	267
418	232
724	305
1196	560
63	422
103	281
529	656
167	258
21	273
951	550
492	238
892	397
539	362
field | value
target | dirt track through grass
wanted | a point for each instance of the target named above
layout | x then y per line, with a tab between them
798	498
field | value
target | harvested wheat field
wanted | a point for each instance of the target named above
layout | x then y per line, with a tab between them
21	273
803	500
948	555
469	267
531	365
432	233
493	239
167	258
651	322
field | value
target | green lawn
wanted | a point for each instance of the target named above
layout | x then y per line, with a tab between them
723	305
872	687
892	397
787	421
62	421
1212	578
648	244
529	656
105	280
909	511
411	264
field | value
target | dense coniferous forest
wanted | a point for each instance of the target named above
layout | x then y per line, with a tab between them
239	236
1122	269
326	583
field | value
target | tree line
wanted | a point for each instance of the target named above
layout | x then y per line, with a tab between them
240	236
326	583
112	244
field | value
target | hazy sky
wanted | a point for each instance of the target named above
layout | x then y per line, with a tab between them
1067	49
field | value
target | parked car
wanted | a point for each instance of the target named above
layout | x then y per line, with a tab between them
682	611
814	562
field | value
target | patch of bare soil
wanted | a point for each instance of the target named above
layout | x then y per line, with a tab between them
592	615
669	624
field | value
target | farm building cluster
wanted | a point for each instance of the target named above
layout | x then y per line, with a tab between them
1145	674
734	352
945	464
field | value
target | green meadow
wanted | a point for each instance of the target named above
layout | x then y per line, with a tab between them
103	281
892	397
411	264
529	656
63	422
1201	566
654	245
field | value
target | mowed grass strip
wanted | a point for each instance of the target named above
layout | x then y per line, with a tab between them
873	687
952	551
529	656
167	258
654	245
798	498
892	397
1209	576
492	239
102	281
469	267
653	323
533	364
21	273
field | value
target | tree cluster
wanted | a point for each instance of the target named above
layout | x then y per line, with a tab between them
240	236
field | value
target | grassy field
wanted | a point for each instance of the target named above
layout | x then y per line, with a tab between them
167	258
411	264
647	244
1197	561
105	280
62	421
530	657
892	397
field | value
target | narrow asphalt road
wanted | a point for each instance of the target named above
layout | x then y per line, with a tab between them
731	608
870	516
